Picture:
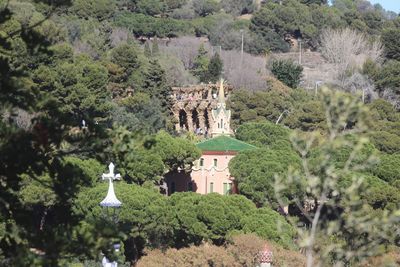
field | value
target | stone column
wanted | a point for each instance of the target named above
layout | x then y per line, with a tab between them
202	122
177	124
189	120
210	121
209	95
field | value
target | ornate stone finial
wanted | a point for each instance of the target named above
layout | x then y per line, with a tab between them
110	175
111	200
221	94
265	256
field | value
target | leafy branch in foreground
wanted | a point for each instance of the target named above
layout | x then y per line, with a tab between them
340	228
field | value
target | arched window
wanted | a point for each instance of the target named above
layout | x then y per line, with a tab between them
215	162
222	123
201	162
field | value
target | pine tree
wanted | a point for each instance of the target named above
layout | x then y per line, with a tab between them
215	68
200	66
155	84
287	72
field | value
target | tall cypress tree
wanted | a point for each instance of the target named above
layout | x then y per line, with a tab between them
215	68
200	66
155	84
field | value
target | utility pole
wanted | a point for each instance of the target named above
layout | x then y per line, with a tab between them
241	57
299	40
317	83
363	96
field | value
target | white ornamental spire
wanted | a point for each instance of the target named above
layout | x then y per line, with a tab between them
111	200
221	94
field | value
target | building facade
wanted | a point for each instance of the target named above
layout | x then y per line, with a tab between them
210	173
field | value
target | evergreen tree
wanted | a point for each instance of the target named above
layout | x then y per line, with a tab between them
126	56
287	72
215	68
155	84
391	41
201	62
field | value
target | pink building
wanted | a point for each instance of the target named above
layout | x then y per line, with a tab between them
210	173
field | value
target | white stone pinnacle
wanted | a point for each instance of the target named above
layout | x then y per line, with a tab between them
111	199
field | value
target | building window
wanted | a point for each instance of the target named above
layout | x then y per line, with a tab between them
222	123
190	187
227	188
201	162
173	189
211	187
215	162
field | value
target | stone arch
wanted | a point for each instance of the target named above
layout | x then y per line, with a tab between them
183	122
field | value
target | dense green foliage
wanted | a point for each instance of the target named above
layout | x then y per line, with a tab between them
287	72
390	40
277	154
264	135
151	220
147	160
298	109
255	172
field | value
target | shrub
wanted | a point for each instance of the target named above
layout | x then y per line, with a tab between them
242	251
387	168
100	9
142	25
385	142
287	72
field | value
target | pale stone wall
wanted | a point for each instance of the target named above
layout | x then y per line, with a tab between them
221	124
193	106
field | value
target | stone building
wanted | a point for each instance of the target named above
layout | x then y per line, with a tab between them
193	106
210	174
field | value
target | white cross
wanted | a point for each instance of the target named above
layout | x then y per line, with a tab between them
110	175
